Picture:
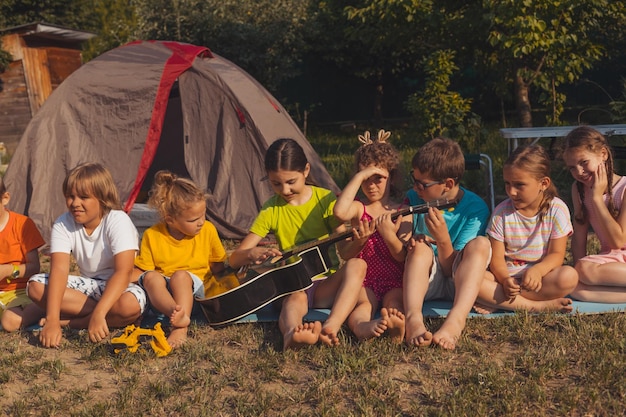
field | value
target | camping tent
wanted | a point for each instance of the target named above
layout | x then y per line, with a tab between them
152	105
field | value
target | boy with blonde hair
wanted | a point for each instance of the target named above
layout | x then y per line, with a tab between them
448	255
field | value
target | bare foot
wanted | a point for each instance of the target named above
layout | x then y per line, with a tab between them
62	322
178	318
395	323
484	308
448	334
177	337
416	333
560	305
329	335
368	329
301	335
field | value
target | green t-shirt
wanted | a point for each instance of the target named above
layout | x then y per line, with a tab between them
295	225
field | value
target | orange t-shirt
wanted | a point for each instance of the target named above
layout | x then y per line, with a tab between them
19	236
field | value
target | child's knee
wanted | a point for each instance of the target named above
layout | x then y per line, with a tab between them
35	290
569	279
128	306
10	321
152	277
180	277
478	245
356	267
583	270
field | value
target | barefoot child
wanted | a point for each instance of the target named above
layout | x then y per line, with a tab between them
381	239
599	203
180	253
296	214
449	254
528	234
104	241
19	259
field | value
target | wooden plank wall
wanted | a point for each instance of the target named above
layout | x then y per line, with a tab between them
61	63
36	71
37	77
14	105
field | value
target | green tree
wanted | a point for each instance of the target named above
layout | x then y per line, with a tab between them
75	14
373	40
414	40
264	37
440	111
115	23
71	13
543	44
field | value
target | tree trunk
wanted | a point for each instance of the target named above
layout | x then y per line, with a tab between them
522	102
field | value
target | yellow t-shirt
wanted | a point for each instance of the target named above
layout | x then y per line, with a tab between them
161	252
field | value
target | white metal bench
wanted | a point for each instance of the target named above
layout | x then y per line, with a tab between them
513	134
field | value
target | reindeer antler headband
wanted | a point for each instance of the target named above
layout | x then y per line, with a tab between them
382	137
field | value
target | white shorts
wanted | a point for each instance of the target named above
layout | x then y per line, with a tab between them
93	288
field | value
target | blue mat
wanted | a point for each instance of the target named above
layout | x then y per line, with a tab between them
435	308
431	309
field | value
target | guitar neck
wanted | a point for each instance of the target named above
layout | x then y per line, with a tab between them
440	204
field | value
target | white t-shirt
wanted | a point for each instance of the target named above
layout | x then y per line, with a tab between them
94	253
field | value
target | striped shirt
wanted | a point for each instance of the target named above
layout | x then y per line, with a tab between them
525	238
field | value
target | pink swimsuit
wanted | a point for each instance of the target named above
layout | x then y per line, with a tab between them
384	273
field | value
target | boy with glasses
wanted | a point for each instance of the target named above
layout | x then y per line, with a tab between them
448	254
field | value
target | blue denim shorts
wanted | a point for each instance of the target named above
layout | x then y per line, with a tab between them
198	285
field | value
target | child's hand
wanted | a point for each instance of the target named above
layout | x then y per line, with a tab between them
421	238
258	255
532	280
372	170
98	329
436	225
511	288
387	228
600	181
51	334
364	231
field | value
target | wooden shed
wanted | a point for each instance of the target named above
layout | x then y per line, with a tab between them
43	56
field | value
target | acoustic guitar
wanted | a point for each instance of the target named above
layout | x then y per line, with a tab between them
234	294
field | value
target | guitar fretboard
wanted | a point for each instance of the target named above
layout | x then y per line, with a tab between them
440	204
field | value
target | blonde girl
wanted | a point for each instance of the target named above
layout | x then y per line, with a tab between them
528	234
379	238
298	213
104	241
180	253
598	199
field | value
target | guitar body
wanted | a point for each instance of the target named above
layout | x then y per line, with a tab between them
233	295
260	285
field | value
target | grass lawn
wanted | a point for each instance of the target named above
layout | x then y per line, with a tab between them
517	365
520	365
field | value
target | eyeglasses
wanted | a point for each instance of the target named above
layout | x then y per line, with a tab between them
424	185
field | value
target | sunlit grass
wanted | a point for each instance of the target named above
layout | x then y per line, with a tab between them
519	365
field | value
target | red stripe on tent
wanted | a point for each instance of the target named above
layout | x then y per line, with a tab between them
181	59
242	117
274	105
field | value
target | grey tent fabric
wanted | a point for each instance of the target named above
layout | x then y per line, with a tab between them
156	105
